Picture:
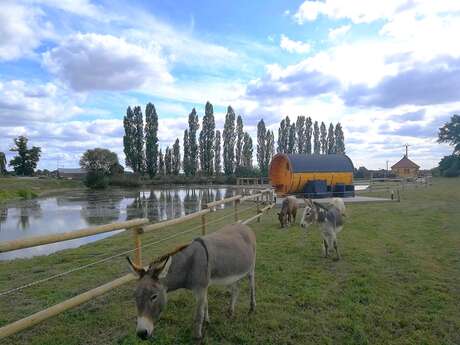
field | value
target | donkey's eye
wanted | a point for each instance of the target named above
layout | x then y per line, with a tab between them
153	297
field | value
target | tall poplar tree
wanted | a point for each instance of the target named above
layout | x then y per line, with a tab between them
175	160
139	139
316	140
269	148
331	140
292	139
261	145
151	140
239	141
300	129
323	138
193	126
161	164
246	158
207	140
229	137
217	154
339	139
308	136
168	161
186	161
128	139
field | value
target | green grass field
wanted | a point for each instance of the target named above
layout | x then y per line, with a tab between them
12	188
398	283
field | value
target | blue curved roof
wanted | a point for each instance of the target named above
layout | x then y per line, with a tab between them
320	163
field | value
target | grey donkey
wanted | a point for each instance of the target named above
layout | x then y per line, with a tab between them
222	258
330	221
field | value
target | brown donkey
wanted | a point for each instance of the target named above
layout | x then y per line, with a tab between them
288	211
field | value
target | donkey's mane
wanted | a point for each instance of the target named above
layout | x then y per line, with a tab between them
166	256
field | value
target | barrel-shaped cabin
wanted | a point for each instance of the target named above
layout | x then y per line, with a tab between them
290	173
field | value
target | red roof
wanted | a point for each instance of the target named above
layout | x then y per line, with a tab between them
405	163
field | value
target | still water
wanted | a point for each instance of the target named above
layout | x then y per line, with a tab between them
80	209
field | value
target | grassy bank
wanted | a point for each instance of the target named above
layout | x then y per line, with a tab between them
29	187
397	283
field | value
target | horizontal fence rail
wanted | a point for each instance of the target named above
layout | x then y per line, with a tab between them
138	227
9	246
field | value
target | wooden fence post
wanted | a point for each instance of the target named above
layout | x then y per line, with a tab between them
258	207
235	206
137	231
203	225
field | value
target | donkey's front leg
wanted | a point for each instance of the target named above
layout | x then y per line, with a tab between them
336	250
201	302
326	248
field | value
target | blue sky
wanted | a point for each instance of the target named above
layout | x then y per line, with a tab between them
388	71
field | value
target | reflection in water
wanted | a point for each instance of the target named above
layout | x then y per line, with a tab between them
97	212
77	210
32	208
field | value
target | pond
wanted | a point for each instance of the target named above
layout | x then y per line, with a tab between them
80	209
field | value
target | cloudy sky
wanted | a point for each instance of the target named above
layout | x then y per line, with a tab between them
389	71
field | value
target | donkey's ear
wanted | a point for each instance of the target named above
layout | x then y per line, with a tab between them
139	271
160	270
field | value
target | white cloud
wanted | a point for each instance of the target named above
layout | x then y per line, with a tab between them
104	62
339	31
21	31
364	11
22	102
292	46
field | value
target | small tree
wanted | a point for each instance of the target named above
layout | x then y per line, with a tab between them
26	161
193	145
99	160
450	133
99	163
2	164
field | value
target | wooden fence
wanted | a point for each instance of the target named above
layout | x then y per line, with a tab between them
138	227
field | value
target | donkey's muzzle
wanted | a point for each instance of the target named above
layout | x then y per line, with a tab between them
143	334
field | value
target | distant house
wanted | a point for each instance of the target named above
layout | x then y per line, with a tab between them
75	174
405	168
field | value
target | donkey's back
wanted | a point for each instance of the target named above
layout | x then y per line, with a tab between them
232	253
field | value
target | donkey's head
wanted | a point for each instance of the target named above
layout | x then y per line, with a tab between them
151	295
309	214
283	218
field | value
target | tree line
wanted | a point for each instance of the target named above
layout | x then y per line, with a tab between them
208	151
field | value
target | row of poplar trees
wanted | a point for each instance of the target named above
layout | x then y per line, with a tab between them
306	137
202	150
209	151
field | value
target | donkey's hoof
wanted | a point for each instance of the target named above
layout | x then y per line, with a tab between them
336	259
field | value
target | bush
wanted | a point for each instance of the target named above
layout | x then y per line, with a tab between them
449	166
125	181
247	172
96	180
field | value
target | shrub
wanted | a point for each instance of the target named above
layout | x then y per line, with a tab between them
96	180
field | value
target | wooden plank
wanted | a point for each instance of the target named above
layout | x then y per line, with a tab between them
223	201
43	315
257	216
8	246
151	227
204	224
138	245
